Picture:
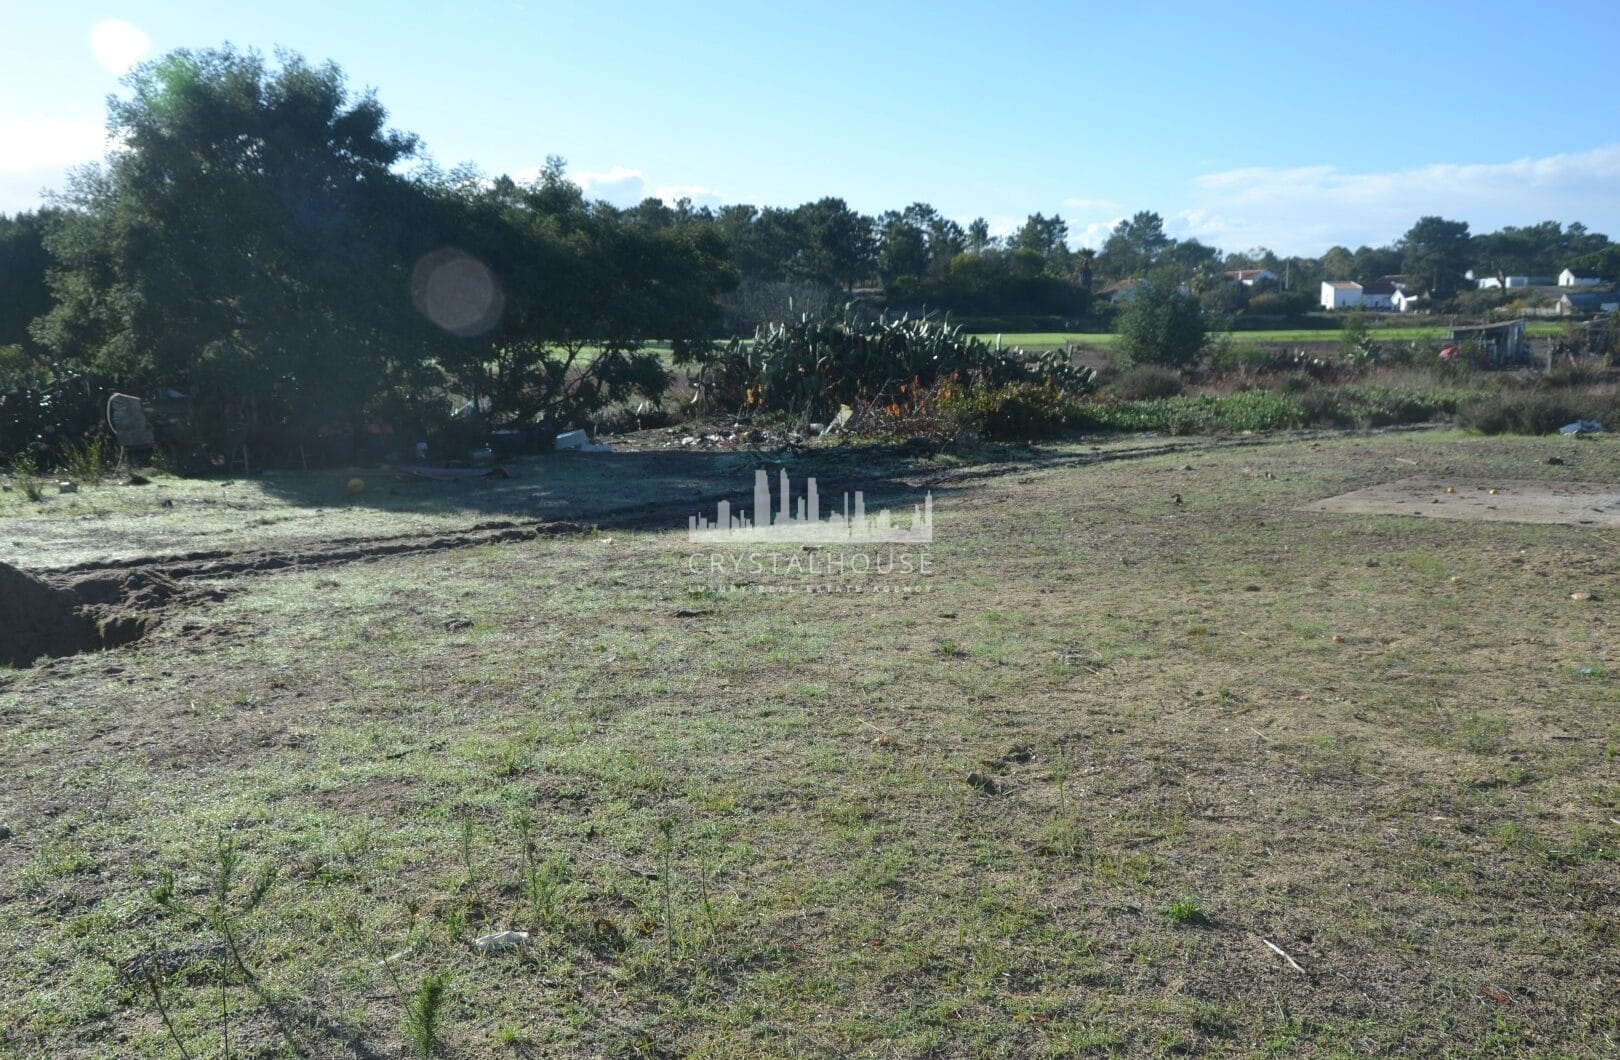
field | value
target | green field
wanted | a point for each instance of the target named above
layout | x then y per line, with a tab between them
1153	720
1049	340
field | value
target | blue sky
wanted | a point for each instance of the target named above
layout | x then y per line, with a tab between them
1291	126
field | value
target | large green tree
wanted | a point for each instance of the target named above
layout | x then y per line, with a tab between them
1435	254
24	262
241	243
1160	325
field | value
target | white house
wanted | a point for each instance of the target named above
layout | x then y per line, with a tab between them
1487	283
1252	277
1405	301
1583	302
1580	278
1340	294
1380	294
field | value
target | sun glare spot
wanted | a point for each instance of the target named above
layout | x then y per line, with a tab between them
118	45
456	291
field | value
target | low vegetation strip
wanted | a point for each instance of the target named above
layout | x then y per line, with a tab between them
1350	406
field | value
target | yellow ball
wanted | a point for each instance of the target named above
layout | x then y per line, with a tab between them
356	486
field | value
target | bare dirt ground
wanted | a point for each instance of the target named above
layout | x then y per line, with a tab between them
1515	500
1150	719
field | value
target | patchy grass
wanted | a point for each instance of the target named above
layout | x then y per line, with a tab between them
738	823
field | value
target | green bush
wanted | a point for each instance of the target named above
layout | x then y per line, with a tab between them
1251	410
811	366
1015	412
1160	325
1376	406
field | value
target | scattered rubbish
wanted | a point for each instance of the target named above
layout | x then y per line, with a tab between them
67	487
1581	427
356	487
1338	638
394	957
818	428
1278	950
501	941
689	440
579	441
1582	595
1495	995
1584	671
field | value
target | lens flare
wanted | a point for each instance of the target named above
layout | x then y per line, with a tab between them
456	291
118	46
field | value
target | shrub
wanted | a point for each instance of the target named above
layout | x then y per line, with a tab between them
1161	325
1249	357
1147	381
1015	412
1539	411
1251	410
811	366
1376	406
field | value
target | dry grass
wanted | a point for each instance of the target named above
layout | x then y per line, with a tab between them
1366	740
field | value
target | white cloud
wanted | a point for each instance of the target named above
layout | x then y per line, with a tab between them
38	155
118	45
700	196
624	187
1307	209
1095	205
619	186
34	146
1093	235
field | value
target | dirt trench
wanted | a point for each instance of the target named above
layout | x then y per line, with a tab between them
93	606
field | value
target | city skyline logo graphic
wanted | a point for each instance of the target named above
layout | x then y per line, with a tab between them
800	521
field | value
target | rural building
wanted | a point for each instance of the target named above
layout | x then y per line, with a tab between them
1497	345
1490	282
1340	294
1580	278
1123	291
1405	301
1380	294
1580	303
1252	277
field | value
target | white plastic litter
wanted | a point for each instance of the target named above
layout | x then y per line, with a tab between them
501	941
579	441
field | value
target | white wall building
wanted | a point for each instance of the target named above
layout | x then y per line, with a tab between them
1406	302
1579	278
1340	294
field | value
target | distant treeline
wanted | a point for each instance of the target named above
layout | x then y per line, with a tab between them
265	244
